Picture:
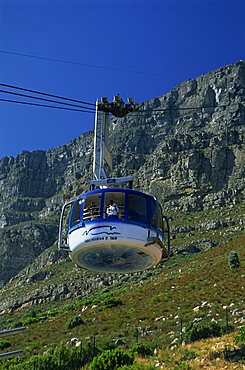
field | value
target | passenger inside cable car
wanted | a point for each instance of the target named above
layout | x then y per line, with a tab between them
112	210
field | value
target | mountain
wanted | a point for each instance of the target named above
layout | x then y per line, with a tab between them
186	147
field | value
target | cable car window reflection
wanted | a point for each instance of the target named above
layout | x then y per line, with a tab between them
160	221
153	213
92	207
75	213
114	205
137	210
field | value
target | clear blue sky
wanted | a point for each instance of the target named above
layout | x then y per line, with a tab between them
169	41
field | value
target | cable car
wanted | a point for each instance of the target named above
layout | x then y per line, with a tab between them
113	228
130	240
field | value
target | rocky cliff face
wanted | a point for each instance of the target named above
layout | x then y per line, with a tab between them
190	158
186	147
33	187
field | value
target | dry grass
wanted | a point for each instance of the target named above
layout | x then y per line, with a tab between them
205	354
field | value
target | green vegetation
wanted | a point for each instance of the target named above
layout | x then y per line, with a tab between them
110	302
156	309
137	367
73	322
188	355
113	359
59	358
240	339
233	260
203	330
141	350
4	344
199	226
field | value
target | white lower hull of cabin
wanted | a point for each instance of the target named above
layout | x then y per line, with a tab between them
113	247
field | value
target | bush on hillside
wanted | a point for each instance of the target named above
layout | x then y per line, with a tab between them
202	330
74	321
186	354
227	328
137	367
4	344
17	324
33	313
30	320
240	339
233	260
141	350
110	360
58	358
106	344
110	302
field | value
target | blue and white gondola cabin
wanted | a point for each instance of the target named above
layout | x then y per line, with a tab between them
127	240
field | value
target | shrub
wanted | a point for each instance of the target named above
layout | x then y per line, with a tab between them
4	344
107	344
137	367
66	308
30	320
52	312
226	328
188	355
182	366
110	360
92	299
240	339
74	321
59	358
17	324
233	260
202	330
33	313
110	302
141	349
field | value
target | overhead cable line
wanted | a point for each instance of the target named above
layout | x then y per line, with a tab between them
176	109
45	105
84	109
93	104
46	94
79	63
139	113
153	110
48	100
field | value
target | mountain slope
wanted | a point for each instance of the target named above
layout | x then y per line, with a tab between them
152	308
191	159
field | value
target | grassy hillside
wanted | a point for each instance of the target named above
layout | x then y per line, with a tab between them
191	232
153	308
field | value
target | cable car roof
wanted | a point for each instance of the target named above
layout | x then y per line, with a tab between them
114	190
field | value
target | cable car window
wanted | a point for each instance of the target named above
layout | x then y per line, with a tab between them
137	210
75	213
160	219
153	213
92	207
161	227
114	204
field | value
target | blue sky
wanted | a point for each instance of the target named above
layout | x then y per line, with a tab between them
162	43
